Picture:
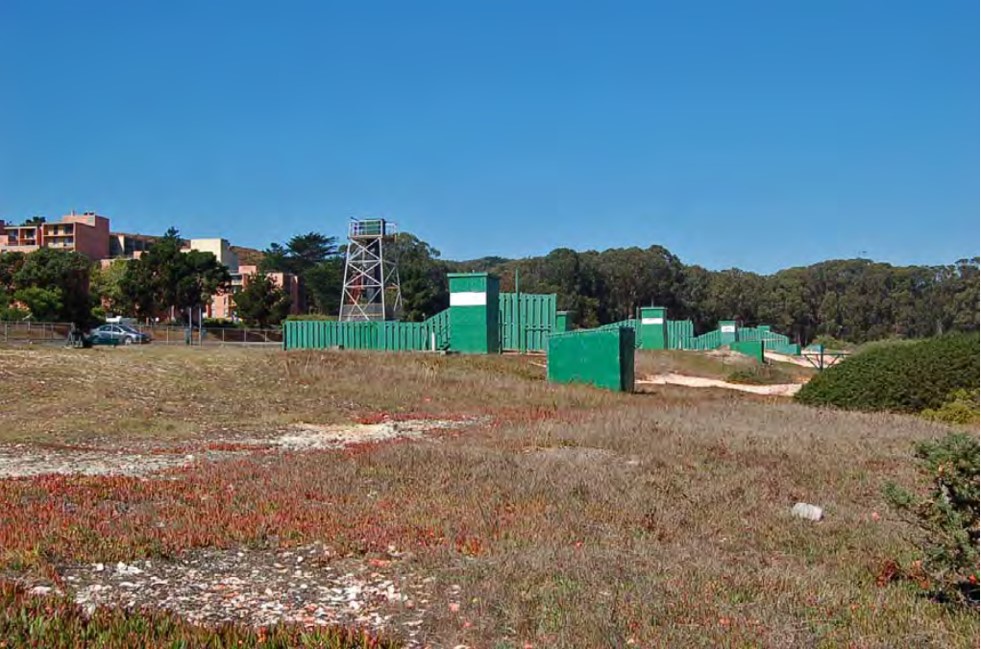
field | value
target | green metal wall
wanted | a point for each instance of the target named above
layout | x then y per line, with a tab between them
527	319
563	321
474	313
653	327
600	357
751	348
727	331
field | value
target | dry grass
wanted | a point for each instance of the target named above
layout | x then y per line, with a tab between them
60	395
573	518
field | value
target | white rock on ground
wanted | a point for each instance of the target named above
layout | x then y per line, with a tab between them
807	512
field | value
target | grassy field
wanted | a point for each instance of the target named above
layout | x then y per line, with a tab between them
559	516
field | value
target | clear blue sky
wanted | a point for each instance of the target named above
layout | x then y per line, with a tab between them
748	134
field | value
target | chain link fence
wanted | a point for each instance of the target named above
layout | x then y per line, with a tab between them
26	332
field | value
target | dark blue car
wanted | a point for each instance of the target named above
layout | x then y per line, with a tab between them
119	333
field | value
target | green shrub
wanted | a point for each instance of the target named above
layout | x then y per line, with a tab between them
750	376
904	378
221	323
962	407
947	515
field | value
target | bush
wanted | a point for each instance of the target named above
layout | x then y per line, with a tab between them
961	408
221	323
904	378
947	516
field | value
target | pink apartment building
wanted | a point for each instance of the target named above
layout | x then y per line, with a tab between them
86	233
222	306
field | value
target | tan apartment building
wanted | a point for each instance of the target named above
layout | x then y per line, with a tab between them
220	248
86	233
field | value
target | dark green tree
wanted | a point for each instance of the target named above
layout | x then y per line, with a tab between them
44	304
62	273
10	263
106	286
425	290
260	302
321	286
314	258
166	277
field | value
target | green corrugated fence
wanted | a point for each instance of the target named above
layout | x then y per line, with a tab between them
680	333
632	323
388	336
526	320
709	340
439	330
772	341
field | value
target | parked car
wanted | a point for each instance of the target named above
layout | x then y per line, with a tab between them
120	333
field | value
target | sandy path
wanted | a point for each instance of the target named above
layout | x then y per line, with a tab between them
786	358
780	390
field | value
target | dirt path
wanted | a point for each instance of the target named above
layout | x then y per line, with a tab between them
780	390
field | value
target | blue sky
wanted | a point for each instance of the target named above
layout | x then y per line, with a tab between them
748	134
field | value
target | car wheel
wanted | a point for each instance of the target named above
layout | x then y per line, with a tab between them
127	340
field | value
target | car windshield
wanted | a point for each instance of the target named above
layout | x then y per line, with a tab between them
128	329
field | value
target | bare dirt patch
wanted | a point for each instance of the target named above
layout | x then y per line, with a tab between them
23	460
307	437
307	585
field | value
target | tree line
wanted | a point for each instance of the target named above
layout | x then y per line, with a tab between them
853	300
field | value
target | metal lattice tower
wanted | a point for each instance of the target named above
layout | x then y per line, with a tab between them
371	272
